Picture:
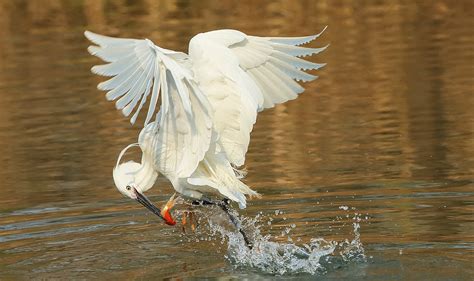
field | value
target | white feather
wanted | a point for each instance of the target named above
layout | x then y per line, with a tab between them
209	103
249	66
138	66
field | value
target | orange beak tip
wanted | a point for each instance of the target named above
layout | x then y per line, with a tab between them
168	218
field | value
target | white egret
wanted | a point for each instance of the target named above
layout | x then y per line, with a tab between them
209	103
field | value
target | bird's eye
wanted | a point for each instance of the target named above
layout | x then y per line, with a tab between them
128	187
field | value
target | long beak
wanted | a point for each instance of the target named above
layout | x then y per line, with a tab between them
147	203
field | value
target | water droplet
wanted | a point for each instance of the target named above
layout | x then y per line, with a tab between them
285	257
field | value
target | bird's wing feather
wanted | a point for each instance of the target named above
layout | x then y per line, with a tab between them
142	71
243	75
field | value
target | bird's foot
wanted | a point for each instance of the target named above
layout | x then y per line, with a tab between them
165	211
191	218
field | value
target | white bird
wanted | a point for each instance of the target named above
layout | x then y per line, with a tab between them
209	103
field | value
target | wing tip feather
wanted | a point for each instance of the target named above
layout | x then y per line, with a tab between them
96	70
108	96
88	34
314	77
296	41
93	50
93	37
312	37
314	66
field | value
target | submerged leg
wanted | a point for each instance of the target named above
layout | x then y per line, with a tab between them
224	205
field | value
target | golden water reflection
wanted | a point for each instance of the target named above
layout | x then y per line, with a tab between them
387	128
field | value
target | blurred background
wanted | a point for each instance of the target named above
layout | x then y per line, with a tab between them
386	130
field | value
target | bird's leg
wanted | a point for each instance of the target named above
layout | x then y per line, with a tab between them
165	211
183	221
189	216
192	221
224	205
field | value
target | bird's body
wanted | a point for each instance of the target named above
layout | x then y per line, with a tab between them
210	99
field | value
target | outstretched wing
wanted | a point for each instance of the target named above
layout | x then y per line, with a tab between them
242	75
140	69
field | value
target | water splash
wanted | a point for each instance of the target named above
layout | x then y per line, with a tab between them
316	257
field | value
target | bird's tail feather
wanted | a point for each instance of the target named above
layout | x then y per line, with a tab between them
221	176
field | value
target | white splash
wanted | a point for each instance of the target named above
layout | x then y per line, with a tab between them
316	257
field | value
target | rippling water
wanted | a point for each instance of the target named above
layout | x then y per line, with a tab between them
368	175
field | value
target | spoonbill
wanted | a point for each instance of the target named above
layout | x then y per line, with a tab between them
209	100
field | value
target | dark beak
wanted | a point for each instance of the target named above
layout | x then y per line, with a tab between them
147	203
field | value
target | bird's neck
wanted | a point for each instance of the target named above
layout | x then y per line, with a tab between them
146	175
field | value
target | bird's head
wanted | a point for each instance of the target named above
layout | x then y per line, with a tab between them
132	179
124	178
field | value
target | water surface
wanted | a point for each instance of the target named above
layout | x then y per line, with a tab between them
380	146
